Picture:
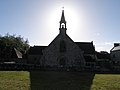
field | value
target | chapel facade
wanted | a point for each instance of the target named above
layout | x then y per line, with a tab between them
63	51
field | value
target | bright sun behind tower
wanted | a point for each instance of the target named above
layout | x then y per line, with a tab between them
72	21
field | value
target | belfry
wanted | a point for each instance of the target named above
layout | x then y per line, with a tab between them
62	24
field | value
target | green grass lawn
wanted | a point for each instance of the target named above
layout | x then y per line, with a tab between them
14	80
106	82
23	80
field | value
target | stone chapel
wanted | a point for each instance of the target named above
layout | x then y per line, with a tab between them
63	51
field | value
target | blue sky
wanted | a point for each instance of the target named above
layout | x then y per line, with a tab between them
38	20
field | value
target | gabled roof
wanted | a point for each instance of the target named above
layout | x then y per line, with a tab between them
87	47
18	53
15	53
36	50
117	48
58	37
9	52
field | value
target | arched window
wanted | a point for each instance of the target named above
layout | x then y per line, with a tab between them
62	25
62	46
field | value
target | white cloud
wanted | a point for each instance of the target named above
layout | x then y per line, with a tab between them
105	46
108	43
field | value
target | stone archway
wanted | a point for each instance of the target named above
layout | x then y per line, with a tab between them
62	62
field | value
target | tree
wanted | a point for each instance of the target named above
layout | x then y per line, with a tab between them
9	42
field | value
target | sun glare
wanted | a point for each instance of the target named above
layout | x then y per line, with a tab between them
71	17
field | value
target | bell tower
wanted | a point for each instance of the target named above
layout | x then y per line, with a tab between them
62	24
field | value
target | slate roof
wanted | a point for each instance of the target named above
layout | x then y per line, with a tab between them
87	47
18	53
9	52
36	50
115	48
15	53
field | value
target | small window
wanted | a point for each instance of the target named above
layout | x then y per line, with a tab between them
62	46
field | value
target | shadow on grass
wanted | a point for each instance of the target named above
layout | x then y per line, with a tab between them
43	80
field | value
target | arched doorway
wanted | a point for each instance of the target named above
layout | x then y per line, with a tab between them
62	61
